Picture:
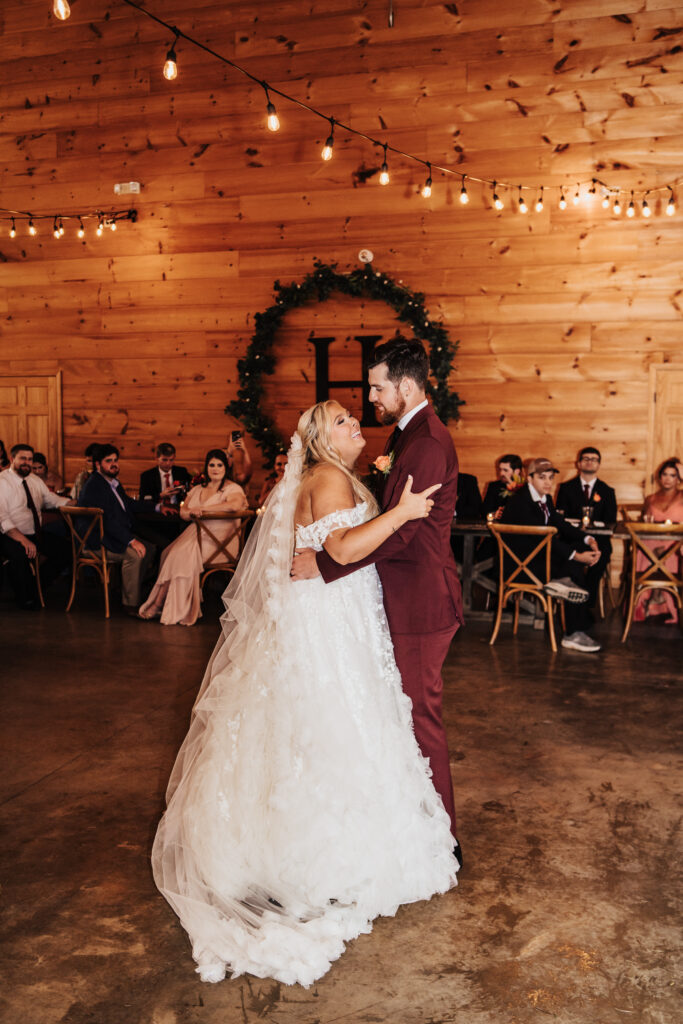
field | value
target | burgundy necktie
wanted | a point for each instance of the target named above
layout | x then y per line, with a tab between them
543	505
587	492
32	505
393	440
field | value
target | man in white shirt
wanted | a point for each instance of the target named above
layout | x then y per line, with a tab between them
23	497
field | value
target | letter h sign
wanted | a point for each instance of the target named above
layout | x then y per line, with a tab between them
323	384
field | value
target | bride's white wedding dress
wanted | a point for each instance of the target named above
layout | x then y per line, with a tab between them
300	806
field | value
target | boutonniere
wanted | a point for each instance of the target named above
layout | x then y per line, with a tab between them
383	463
514	485
596	497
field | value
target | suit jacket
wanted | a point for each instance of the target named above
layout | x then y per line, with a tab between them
521	509
118	521
603	500
492	499
416	565
468	503
150	485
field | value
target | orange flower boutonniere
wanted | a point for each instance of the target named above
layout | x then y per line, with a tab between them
383	464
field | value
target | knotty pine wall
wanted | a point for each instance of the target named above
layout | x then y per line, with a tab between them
558	315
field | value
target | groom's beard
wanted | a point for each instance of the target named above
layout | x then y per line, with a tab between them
386	417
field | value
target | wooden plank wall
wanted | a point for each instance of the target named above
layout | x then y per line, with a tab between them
558	314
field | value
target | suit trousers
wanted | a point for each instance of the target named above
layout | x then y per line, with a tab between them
55	550
420	657
134	569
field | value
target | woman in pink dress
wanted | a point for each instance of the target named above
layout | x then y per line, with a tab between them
176	596
665	505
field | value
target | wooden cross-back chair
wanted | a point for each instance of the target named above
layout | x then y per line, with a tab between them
520	578
219	559
655	574
90	528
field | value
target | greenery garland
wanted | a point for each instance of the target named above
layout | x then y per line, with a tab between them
318	285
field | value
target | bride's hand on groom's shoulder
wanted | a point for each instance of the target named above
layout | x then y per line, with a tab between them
418	504
304	565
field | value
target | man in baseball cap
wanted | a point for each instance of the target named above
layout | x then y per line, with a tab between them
571	550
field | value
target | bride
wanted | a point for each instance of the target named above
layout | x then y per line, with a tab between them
300	807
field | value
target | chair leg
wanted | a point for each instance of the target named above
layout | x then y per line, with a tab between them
601	596
629	612
563	617
74	576
36	572
551	621
499	614
515	620
105	582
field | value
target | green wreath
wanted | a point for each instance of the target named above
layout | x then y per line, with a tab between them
364	282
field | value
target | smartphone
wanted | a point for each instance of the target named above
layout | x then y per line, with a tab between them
236	434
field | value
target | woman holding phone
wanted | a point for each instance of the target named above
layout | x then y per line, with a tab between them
239	458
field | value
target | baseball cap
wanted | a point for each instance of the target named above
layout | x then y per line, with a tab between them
541	465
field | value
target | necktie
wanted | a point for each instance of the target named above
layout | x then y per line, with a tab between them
167	480
543	505
393	439
587	492
32	505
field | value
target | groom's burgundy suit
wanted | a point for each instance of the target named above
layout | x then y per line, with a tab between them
422	593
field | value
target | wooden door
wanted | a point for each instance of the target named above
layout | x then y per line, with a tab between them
31	412
666	417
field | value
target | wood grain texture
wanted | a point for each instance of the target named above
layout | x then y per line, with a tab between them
559	315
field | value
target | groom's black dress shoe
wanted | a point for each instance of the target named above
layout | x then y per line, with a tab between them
457	853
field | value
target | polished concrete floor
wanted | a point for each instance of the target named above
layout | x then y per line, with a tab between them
565	770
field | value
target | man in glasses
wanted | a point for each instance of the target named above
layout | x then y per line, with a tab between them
587	492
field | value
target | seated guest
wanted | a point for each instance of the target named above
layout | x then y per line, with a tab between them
87	471
23	498
510	479
239	458
176	596
52	481
103	490
273	478
162	488
468	503
586	491
665	505
571	550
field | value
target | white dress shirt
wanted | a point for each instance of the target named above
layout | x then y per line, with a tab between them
407	417
14	511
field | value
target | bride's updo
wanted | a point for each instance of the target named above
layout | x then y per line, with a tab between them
314	430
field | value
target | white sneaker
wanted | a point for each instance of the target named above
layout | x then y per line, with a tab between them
581	642
567	590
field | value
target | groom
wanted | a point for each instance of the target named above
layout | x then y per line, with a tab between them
421	588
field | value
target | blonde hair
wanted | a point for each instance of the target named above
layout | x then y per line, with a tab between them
314	430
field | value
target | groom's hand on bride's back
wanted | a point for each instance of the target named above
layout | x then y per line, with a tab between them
304	565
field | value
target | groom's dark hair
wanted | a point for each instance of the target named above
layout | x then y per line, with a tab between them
404	357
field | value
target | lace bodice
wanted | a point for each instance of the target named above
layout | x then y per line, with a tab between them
313	536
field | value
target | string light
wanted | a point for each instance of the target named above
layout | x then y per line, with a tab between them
539	201
646	209
384	178
170	66
464	198
631	211
32	230
112	225
329	145
55	229
617	206
61	9
272	120
523	208
427	187
81	229
671	205
100	228
13	229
